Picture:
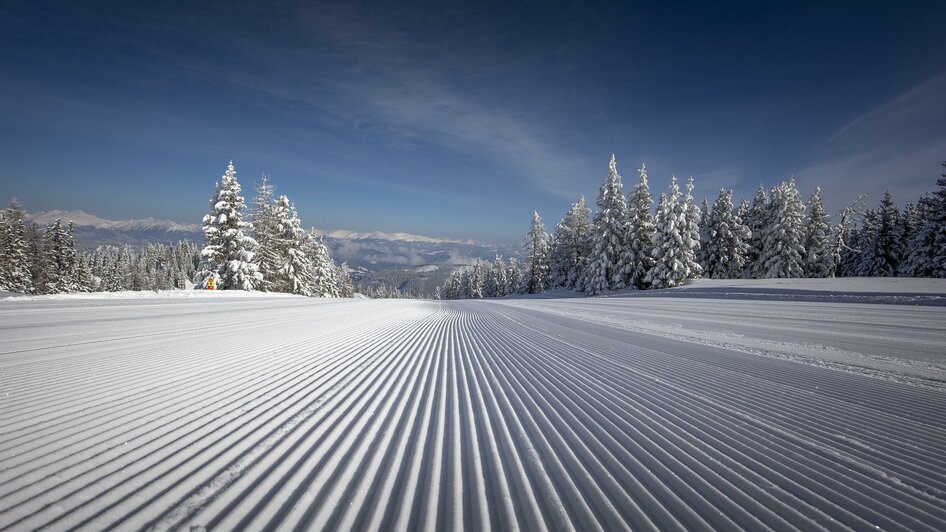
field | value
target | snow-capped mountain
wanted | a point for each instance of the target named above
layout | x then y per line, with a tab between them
393	237
83	219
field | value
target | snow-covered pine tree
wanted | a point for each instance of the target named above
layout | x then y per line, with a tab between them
669	268
474	281
265	229
691	234
757	220
343	276
917	261
514	277
926	256
41	264
783	254
293	267
909	228
499	277
14	256
605	270
536	247
322	282
571	245
886	240
727	240
490	288
743	211
701	254
819	258
229	249
72	262
454	288
638	257
865	260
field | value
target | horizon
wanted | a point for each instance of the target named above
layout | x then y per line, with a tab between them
458	121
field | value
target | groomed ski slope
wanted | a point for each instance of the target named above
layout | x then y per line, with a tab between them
647	413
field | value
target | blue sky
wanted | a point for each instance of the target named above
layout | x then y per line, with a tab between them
459	119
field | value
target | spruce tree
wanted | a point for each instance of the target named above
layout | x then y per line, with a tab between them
701	255
927	252
292	266
229	249
691	234
500	278
454	289
670	263
514	277
322	281
265	228
14	255
536	247
783	254
819	257
571	245
42	267
605	265
757	220
474	281
727	241
343	276
638	256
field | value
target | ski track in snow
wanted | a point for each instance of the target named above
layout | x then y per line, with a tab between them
590	414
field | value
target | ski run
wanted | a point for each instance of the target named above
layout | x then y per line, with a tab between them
714	407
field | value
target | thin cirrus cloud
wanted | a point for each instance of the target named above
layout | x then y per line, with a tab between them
896	145
399	89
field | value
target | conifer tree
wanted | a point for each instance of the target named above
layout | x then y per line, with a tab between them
757	221
727	240
322	282
229	250
819	258
701	255
455	287
343	276
669	249
514	277
910	224
536	246
265	228
638	256
474	281
784	236
499	278
42	268
606	269
691	234
292	266
14	253
571	245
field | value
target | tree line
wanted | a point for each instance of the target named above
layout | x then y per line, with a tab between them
38	259
627	244
270	251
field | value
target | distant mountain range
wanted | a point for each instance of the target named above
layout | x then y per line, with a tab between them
84	219
373	251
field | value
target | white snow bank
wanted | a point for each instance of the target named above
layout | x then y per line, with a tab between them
875	285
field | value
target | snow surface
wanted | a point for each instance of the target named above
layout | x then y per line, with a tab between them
248	412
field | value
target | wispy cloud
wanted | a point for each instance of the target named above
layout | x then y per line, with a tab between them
380	81
895	146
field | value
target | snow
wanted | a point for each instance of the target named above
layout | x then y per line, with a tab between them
381	235
84	219
686	409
